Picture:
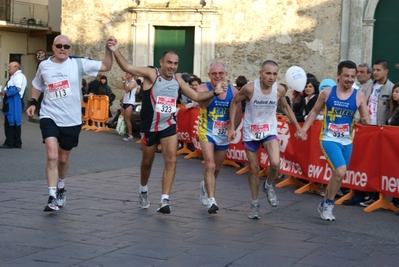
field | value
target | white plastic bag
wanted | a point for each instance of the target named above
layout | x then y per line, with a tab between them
121	125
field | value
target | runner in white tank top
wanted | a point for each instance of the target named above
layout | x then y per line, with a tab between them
260	129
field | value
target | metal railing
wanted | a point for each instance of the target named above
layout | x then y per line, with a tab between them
18	12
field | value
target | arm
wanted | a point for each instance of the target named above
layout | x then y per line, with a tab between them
321	100
106	64
147	73
286	108
198	96
129	87
362	107
30	111
235	104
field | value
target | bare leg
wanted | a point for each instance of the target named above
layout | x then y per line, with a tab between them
169	150
335	182
253	179
148	155
52	161
273	152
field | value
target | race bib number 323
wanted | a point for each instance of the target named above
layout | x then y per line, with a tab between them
59	89
165	104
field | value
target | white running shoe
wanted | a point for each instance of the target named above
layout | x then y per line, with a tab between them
254	211
61	197
128	139
326	211
212	206
143	201
271	195
203	198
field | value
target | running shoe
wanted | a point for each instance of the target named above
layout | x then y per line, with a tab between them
143	200
367	203
203	198
128	139
164	206
61	197
326	211
271	195
254	211
212	206
51	204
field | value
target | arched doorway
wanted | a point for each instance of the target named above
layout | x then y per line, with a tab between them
386	37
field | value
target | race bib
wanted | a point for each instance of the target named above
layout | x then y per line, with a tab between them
59	89
338	130
259	131
220	127
165	104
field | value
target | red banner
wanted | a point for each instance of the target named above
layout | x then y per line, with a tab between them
372	167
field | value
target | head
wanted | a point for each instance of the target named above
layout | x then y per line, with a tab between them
13	67
364	72
346	74
380	70
194	83
310	75
84	83
268	72
217	73
103	79
128	76
311	87
285	87
61	48
241	81
185	76
394	98
169	63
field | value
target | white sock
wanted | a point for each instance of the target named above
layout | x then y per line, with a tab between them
61	183
255	202
143	188
52	191
164	196
268	185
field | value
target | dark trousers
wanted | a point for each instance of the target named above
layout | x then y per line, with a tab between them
13	134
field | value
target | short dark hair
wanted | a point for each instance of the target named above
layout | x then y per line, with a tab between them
382	62
346	64
168	52
269	62
194	79
241	81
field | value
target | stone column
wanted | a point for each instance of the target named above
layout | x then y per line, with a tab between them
345	29
355	50
140	43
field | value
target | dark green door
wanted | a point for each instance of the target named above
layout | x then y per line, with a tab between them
386	36
178	39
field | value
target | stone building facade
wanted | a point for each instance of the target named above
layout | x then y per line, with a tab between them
313	34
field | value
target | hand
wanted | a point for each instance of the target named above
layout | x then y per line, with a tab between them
220	89
301	135
231	135
30	111
112	44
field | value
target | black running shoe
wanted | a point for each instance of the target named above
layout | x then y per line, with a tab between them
51	204
164	206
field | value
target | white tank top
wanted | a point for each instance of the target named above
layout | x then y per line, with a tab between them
130	97
260	114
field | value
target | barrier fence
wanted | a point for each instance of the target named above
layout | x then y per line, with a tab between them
96	111
372	167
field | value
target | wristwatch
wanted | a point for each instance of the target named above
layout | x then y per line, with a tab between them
214	93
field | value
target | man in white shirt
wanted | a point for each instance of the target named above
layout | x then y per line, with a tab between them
59	78
12	110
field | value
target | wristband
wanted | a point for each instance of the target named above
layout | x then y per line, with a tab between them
107	48
214	93
33	102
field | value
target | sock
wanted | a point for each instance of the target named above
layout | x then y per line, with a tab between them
61	183
52	191
267	186
143	189
164	196
254	202
329	201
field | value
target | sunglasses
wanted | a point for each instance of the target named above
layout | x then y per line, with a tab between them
59	46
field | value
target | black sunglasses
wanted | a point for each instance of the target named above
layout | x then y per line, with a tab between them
59	46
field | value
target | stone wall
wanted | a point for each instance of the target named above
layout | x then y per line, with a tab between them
291	32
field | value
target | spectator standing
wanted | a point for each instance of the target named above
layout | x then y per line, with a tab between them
363	75
310	94
59	78
106	90
129	98
13	94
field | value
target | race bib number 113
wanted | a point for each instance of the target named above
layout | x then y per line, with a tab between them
59	89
